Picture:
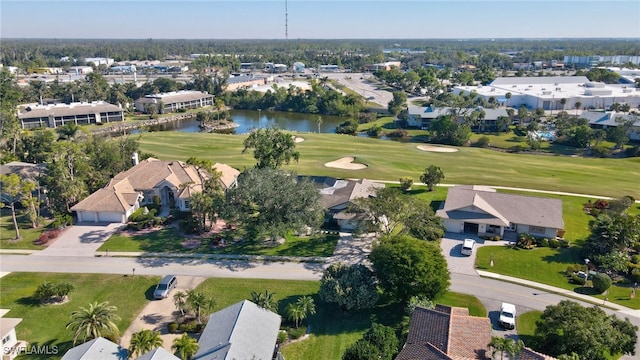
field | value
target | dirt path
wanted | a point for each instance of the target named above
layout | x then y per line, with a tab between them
158	313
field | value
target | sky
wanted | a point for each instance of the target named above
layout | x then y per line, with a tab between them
319	19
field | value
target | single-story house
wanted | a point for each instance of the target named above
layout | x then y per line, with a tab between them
484	212
241	331
600	120
337	194
97	349
173	182
11	346
172	101
450	333
421	117
80	113
158	354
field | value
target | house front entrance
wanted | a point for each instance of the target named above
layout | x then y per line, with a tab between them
470	228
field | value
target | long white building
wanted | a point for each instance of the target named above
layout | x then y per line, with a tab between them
547	92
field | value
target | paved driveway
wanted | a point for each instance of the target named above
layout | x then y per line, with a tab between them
80	240
451	245
158	313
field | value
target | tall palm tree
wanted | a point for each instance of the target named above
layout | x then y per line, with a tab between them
185	347
295	313
264	300
180	301
197	301
577	105
94	321
307	304
144	341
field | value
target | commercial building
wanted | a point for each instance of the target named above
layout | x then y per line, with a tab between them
97	61
53	115
384	66
595	60
244	82
172	101
554	92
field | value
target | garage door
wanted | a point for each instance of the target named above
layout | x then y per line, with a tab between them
87	216
111	217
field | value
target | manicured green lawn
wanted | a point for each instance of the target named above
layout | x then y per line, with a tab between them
526	325
390	160
169	240
45	325
463	300
27	234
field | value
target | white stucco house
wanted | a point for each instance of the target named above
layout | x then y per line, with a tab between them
484	212
11	346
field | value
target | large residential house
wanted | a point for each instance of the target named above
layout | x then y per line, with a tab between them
450	333
600	120
484	212
241	331
53	115
337	194
172	182
172	101
11	346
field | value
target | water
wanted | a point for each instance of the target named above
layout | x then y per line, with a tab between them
249	119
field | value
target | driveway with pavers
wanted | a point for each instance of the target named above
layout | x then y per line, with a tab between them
80	240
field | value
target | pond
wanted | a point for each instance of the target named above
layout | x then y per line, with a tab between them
249	119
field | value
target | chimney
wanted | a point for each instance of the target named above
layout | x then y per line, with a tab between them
135	159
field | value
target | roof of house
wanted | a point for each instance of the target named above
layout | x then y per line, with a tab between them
446	333
97	349
58	110
430	112
228	175
608	119
8	324
122	192
24	170
489	207
175	97
240	331
336	192
529	354
158	354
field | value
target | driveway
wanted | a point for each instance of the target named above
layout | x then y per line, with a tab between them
158	313
80	240
352	250
458	263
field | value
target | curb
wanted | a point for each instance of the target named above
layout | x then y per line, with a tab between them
216	257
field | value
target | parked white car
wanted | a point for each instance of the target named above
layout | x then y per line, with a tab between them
507	316
467	247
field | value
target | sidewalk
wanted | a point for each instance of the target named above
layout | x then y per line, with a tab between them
141	254
560	291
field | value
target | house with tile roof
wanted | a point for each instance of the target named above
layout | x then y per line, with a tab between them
450	333
484	212
97	349
446	333
241	331
172	182
337	194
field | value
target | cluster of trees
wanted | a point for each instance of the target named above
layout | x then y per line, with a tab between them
320	99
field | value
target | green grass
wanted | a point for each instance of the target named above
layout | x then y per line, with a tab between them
45	325
466	301
27	234
170	240
390	160
526	326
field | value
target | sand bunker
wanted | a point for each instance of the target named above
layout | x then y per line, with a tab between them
434	148
298	139
346	163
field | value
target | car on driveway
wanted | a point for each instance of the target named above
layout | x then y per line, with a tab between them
507	316
164	287
467	247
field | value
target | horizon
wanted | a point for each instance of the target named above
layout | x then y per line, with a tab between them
317	19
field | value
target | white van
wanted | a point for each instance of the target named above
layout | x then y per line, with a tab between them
467	247
507	316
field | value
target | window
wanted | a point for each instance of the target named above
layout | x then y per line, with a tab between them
187	205
6	339
536	229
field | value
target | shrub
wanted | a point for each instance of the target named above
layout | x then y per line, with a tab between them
635	259
572	269
635	275
282	337
52	234
296	333
62	289
172	327
483	142
554	243
632	152
544	242
405	183
526	241
398	133
601	282
601	150
578	279
517	148
564	243
44	291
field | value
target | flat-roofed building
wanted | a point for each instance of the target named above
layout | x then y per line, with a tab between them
172	101
547	92
53	115
244	82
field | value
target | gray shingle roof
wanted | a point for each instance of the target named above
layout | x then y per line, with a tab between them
240	331
37	111
97	349
158	354
467	203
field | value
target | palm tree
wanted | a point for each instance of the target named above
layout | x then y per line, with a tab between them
577	106
197	301
185	347
180	301
308	305
508	345
507	96
295	313
563	101
68	131
144	341
264	300
94	321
